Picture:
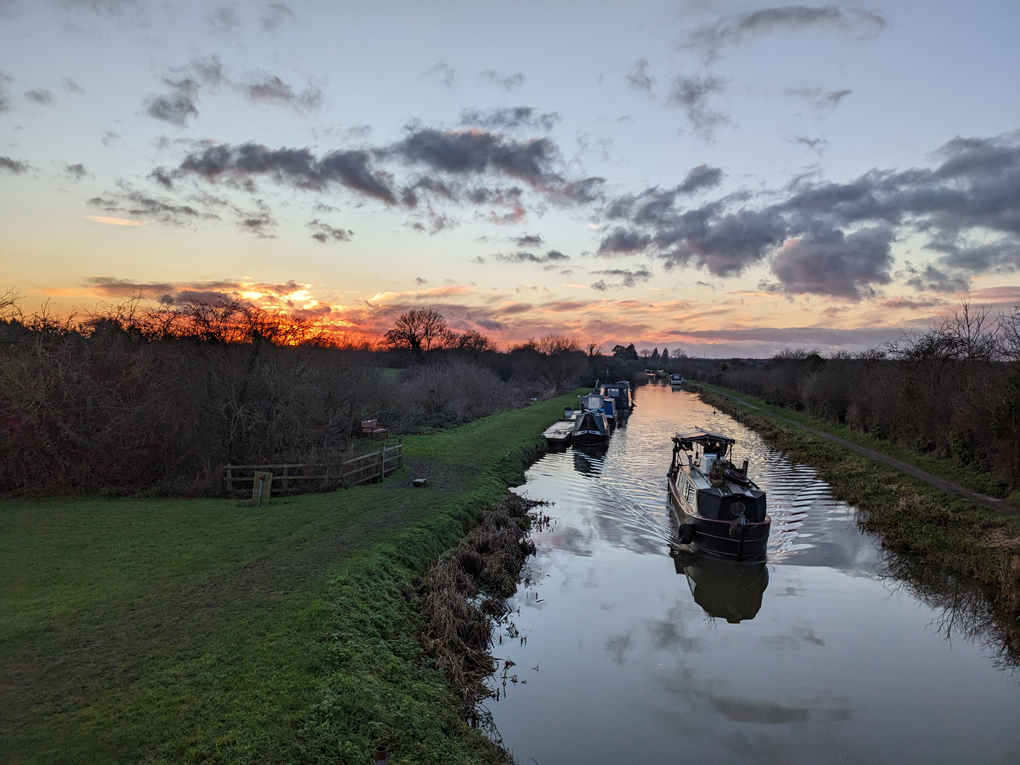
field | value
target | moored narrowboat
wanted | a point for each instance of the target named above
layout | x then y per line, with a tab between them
620	393
721	512
591	428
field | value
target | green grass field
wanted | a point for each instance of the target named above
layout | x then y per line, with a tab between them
189	631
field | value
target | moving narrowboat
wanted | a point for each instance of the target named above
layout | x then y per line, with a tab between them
676	380
722	513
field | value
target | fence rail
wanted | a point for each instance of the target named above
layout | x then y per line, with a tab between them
296	478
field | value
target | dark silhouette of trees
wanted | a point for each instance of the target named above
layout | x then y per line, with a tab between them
420	330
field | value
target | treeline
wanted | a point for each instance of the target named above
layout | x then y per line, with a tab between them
952	391
158	398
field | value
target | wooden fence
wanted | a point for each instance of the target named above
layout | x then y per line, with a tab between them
299	478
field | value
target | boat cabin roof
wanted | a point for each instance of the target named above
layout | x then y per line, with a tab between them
711	443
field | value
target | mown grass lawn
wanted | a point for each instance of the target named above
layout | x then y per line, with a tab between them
162	630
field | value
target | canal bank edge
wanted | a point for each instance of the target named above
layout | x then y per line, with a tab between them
380	689
908	513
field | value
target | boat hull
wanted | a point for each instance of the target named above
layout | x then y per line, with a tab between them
746	543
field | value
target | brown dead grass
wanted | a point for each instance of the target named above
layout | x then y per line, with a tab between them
464	594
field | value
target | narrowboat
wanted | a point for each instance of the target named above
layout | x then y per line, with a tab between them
676	381
591	428
722	513
620	393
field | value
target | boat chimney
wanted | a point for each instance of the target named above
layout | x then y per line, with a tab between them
743	468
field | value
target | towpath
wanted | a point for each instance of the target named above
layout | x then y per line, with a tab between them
939	483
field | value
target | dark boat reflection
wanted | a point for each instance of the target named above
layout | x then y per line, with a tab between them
588	459
726	590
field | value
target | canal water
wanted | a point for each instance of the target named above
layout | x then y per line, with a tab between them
618	653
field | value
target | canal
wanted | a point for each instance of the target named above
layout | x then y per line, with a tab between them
618	653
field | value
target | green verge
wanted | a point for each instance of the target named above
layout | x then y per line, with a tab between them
191	631
981	483
908	514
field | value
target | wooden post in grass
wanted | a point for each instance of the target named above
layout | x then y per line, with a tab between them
261	488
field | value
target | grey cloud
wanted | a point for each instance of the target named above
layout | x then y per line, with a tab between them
627	277
975	189
507	82
624	242
815	144
162	177
75	172
71	86
296	166
510	118
529	240
259	221
187	82
5	101
183	291
638	77
443	72
819	97
420	281
836	265
691	94
141	205
1000	256
13	166
853	22
272	90
274	15
176	108
553	256
722	243
700	177
40	96
477	152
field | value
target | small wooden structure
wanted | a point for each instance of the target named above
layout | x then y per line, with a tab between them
261	488
296	478
371	429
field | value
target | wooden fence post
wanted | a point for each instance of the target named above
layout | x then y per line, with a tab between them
261	488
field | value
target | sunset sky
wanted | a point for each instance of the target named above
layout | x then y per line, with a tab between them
726	178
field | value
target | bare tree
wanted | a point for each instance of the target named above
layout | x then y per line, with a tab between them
1009	334
419	330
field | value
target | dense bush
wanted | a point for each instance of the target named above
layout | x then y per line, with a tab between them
953	391
159	399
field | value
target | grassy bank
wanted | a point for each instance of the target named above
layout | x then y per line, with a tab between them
165	631
910	515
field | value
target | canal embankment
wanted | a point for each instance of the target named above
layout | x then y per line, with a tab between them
199	630
921	506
